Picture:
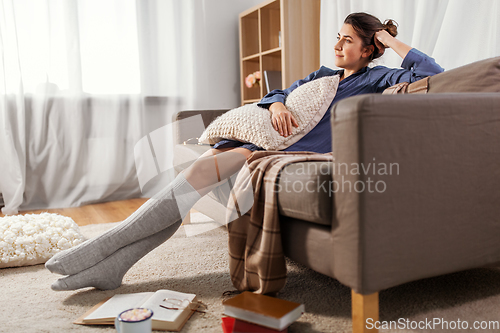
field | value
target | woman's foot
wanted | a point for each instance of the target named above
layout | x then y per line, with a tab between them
158	213
108	273
95	276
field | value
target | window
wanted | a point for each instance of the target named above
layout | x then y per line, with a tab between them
87	45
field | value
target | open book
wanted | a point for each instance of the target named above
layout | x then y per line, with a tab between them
164	319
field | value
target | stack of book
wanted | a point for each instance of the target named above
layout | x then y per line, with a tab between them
254	313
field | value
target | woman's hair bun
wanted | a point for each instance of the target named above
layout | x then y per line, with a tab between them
391	27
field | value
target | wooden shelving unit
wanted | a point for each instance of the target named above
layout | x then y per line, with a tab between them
278	35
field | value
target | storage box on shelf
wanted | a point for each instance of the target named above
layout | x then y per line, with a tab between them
278	35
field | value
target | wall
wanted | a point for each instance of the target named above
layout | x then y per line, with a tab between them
218	75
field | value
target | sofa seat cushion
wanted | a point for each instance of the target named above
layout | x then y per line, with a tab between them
304	187
305	192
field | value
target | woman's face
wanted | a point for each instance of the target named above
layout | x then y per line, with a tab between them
349	51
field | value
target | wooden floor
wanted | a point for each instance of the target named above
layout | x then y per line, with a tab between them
98	213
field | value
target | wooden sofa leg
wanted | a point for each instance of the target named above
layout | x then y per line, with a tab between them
363	308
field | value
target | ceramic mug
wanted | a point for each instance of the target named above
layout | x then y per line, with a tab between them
137	320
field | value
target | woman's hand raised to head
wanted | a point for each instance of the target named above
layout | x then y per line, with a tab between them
384	40
282	119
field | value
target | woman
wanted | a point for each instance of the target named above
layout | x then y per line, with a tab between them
103	261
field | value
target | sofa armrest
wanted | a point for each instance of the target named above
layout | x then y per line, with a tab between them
183	128
433	207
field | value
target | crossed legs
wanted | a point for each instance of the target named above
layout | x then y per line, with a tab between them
103	261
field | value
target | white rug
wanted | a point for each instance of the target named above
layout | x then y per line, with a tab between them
199	265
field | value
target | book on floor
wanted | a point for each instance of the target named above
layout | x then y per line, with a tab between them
232	325
164	319
263	310
227	324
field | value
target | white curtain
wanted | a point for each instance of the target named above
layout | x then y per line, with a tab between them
454	32
82	81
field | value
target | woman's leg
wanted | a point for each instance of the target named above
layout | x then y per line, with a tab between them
214	166
108	273
158	213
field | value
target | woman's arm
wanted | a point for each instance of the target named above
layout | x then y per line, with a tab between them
416	66
384	40
281	118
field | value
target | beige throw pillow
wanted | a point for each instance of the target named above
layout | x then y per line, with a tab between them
479	76
251	123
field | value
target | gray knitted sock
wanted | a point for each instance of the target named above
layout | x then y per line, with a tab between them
108	273
167	207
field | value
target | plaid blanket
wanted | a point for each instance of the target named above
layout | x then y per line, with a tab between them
256	260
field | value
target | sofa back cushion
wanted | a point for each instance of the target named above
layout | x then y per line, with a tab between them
479	76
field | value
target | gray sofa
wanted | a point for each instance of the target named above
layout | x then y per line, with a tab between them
433	209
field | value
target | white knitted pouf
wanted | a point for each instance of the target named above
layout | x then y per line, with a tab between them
33	239
251	123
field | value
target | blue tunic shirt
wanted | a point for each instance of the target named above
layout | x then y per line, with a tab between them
416	65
